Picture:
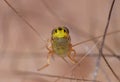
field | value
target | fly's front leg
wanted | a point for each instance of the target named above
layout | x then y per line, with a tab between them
50	53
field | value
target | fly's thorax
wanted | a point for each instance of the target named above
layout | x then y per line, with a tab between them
61	46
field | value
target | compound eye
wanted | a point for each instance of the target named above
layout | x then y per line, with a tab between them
55	31
65	30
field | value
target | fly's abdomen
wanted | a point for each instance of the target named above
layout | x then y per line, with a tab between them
60	46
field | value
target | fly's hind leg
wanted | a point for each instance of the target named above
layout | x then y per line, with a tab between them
50	53
72	58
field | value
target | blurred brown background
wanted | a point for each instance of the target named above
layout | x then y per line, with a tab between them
22	51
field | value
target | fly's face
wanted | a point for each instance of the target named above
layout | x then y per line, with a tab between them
60	32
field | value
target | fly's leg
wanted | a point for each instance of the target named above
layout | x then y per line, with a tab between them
48	61
72	58
50	53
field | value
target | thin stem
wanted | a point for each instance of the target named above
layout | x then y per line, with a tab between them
103	41
22	17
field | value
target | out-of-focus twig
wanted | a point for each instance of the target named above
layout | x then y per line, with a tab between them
28	73
22	17
100	36
103	41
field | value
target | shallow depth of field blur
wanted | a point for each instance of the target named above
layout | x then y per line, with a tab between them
22	50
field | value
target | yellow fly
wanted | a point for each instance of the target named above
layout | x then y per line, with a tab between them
60	45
